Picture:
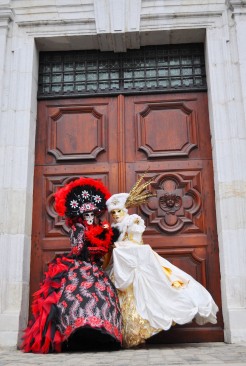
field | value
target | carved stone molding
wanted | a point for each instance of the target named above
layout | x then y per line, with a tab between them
235	4
117	24
111	25
6	15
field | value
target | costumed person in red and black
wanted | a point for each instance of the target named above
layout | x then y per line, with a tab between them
77	306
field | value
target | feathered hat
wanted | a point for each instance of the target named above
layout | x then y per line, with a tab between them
81	196
137	195
117	202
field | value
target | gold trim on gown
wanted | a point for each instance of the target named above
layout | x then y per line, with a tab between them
135	329
162	293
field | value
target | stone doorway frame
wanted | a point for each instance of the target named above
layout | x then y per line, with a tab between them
225	65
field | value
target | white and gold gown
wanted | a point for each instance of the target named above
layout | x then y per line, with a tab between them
153	293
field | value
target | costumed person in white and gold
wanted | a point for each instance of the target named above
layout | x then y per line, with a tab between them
153	293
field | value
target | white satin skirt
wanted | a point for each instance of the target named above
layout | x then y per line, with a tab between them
163	293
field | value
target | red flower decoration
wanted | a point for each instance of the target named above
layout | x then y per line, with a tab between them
94	321
68	330
72	275
111	293
86	284
71	288
79	297
100	286
75	250
95	296
85	268
79	322
108	326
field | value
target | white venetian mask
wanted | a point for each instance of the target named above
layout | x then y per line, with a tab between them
118	215
89	217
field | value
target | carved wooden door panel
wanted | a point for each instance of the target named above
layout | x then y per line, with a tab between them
170	136
116	139
72	140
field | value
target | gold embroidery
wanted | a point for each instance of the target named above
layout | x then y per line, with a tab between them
125	237
176	283
115	202
167	271
135	329
130	236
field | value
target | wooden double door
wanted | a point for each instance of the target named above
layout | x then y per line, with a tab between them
116	139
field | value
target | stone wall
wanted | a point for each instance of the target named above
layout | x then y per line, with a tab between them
27	26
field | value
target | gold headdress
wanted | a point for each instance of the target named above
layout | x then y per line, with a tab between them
138	194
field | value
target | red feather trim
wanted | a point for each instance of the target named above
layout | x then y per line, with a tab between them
35	339
61	194
92	236
72	221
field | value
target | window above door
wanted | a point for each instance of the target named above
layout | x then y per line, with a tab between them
167	68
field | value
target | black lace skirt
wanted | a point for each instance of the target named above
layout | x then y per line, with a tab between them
88	307
76	308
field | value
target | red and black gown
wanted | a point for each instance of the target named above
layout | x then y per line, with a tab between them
77	306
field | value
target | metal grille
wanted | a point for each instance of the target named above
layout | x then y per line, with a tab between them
166	68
